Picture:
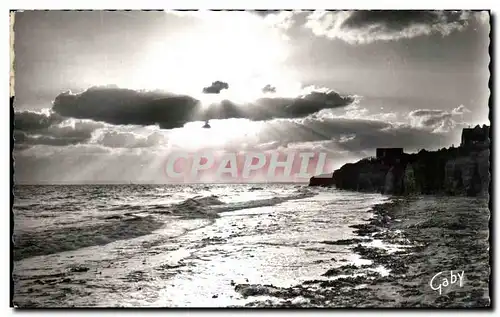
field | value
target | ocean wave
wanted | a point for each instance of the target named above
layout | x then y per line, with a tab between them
28	244
255	188
198	205
211	206
126	221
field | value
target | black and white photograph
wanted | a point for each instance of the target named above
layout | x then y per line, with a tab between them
251	158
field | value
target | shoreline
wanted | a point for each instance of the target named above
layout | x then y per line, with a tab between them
393	249
408	241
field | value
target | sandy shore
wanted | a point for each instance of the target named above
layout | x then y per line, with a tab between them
405	244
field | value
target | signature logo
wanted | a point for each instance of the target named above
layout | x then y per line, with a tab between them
442	280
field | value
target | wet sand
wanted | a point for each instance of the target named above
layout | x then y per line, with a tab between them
198	262
406	243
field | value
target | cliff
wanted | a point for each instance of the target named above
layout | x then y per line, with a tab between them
455	171
321	180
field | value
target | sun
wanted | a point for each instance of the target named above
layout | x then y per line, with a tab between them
234	47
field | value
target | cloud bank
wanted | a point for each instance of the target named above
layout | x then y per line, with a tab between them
80	150
124	106
362	27
34	121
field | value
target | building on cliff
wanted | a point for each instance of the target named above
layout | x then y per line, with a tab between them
390	155
476	136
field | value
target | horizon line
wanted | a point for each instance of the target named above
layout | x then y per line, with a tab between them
152	183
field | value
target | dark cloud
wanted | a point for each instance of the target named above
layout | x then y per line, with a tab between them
216	87
33	121
123	106
394	19
269	89
75	118
364	26
264	109
32	128
76	131
24	139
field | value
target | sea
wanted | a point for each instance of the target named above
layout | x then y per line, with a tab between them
175	245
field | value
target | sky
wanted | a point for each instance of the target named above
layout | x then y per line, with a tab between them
104	96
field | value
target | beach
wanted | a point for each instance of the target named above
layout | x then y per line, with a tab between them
413	239
175	246
246	246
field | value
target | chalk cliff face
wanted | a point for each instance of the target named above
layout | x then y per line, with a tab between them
454	171
394	180
483	168
409	180
468	175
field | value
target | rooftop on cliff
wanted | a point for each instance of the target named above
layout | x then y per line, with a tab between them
476	135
